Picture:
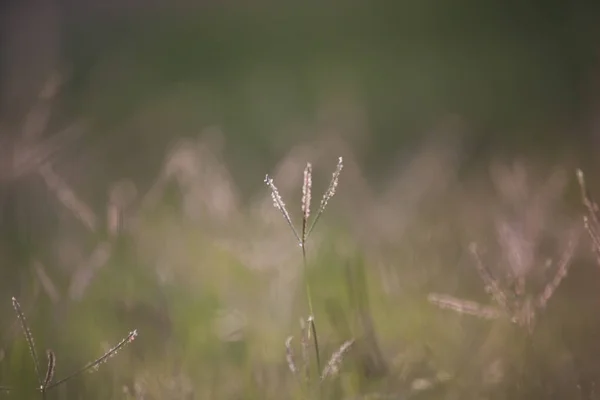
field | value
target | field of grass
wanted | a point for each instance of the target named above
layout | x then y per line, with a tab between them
214	288
453	261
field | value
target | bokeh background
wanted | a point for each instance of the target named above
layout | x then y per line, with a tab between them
135	137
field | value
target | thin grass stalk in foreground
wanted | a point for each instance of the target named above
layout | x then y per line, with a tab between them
49	373
49	370
306	197
333	365
45	382
280	205
29	339
306	230
329	193
102	359
305	353
31	344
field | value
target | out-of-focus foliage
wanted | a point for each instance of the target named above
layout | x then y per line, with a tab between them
449	117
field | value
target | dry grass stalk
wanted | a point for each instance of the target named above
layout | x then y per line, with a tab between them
517	242
94	365
49	369
329	193
520	307
333	366
306	197
280	205
28	337
289	355
464	306
46	381
302	237
306	229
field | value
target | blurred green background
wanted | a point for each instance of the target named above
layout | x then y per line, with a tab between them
192	104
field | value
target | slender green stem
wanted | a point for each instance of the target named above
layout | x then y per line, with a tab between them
306	280
313	329
315	339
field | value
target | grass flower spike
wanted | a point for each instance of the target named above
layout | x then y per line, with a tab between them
302	235
46	382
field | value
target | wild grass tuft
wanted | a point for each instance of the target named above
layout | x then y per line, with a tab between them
512	298
302	236
46	381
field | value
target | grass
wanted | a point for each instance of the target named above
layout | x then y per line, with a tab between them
46	380
309	327
368	344
219	308
379	345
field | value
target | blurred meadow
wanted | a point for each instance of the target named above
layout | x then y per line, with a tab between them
453	261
